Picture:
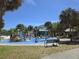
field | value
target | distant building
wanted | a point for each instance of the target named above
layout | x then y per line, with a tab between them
42	30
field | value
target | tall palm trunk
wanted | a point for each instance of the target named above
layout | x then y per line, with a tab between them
70	32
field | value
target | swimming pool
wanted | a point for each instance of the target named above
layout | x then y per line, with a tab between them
32	41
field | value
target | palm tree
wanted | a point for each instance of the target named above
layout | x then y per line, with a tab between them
55	27
30	27
20	26
49	27
68	18
36	30
7	5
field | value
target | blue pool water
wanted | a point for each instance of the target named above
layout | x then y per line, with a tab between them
32	41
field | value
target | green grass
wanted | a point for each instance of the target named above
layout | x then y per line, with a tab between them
30	52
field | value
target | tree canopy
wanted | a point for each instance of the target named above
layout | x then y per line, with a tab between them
20	26
69	18
48	25
7	5
30	27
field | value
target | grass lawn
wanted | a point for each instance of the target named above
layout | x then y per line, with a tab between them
30	52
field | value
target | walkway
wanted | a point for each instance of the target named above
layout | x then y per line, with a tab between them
70	54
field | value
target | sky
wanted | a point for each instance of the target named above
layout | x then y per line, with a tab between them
37	12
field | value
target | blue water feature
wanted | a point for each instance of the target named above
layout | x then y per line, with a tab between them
32	41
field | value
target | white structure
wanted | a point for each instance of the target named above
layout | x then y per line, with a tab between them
4	37
68	30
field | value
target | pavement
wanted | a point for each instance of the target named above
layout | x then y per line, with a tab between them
70	54
14	44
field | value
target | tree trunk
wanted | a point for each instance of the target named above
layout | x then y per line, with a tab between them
2	11
70	34
1	19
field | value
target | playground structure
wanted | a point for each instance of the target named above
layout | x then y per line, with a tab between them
19	36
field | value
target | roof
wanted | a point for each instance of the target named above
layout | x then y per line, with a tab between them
68	30
43	30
